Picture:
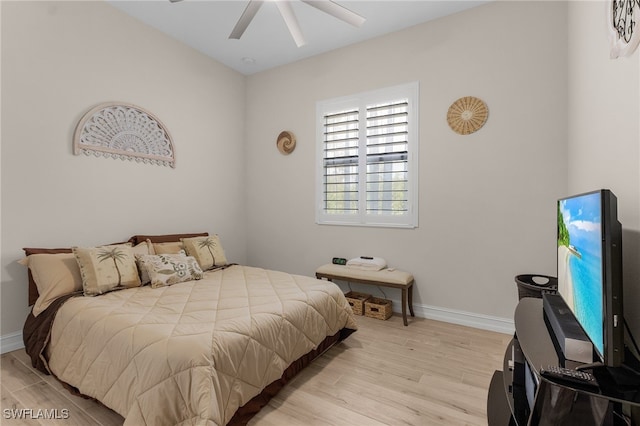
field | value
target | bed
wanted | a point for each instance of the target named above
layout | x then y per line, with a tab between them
209	351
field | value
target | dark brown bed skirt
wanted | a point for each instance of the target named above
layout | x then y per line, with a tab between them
251	408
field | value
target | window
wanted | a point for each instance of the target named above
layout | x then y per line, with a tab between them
367	158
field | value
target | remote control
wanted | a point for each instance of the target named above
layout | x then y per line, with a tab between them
577	377
366	257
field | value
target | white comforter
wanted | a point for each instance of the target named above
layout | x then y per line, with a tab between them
192	353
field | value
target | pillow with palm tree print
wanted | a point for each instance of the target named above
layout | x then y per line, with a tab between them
106	268
207	250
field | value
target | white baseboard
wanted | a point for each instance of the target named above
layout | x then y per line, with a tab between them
469	319
11	342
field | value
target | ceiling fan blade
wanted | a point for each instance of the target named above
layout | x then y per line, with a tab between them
292	23
174	1
245	19
337	11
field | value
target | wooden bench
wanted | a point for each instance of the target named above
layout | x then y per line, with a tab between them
384	278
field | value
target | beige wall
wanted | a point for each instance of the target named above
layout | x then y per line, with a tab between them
58	60
485	212
487	200
604	133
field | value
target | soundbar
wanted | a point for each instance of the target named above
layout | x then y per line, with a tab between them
567	334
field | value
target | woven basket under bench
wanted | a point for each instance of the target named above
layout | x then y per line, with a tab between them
378	308
356	301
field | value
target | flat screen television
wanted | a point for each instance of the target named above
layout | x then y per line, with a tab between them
590	269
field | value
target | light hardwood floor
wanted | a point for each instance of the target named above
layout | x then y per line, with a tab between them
429	373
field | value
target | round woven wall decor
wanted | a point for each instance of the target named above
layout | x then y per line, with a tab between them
467	115
286	142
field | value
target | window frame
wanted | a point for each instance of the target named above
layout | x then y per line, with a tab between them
361	101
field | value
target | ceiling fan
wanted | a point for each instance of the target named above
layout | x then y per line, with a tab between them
284	6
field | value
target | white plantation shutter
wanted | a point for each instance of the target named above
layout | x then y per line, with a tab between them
387	158
340	159
367	158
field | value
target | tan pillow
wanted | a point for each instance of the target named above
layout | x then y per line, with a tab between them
207	250
106	268
169	269
168	248
144	248
55	275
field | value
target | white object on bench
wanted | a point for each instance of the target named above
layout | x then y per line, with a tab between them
368	264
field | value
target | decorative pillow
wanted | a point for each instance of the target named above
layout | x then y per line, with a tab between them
145	247
207	251
106	268
54	275
168	248
168	269
33	288
142	266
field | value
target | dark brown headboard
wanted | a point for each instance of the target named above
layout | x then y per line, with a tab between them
136	239
166	238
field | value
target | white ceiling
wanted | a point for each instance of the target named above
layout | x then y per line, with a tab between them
206	24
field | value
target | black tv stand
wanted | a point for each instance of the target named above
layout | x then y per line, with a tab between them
519	395
616	379
619	378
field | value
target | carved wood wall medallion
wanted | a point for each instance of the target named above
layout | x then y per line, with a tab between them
467	115
124	131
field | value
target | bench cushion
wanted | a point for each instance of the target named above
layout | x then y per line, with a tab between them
382	276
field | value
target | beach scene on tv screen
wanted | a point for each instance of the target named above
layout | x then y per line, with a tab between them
580	262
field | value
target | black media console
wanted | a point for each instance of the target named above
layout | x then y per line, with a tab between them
520	395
